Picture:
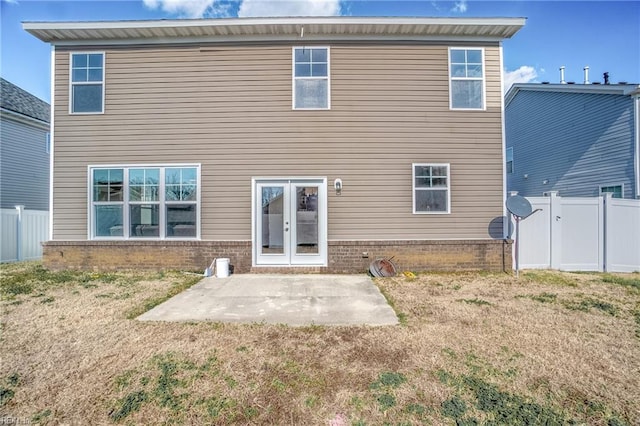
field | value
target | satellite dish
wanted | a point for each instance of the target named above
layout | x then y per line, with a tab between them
519	206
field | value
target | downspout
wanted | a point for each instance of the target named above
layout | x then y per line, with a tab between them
52	137
636	125
505	215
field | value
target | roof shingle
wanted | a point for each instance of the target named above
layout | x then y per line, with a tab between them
17	100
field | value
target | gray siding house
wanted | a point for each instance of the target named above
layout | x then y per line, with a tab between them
284	144
24	149
580	140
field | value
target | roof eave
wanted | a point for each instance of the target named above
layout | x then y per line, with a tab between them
605	89
343	28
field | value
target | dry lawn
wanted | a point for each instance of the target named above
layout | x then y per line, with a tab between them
549	348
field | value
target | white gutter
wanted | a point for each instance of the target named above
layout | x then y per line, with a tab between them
636	123
16	116
505	214
52	138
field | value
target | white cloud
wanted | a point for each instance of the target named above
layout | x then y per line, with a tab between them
460	6
269	8
524	74
186	8
253	8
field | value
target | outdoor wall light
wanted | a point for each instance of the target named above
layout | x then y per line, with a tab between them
337	185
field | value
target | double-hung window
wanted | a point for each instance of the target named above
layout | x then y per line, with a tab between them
617	191
87	83
311	85
144	202
466	78
509	160
431	188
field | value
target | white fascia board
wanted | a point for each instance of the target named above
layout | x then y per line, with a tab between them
24	119
283	39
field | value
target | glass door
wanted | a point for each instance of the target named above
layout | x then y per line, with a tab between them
290	222
272	223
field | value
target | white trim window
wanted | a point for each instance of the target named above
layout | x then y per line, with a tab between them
144	202
509	158
466	78
616	191
431	188
311	81
86	88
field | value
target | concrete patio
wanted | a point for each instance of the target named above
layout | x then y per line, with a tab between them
296	300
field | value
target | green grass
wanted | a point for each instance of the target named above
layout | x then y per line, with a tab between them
7	388
475	301
632	282
551	277
402	317
169	381
589	303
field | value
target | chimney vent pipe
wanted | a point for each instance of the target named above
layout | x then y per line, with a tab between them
606	78
562	75
586	74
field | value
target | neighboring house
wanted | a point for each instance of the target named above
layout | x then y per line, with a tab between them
24	149
580	140
283	144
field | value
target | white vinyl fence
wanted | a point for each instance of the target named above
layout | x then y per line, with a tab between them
22	231
581	234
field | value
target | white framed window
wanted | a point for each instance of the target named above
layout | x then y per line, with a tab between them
466	78
431	188
311	80
86	88
617	191
509	158
144	202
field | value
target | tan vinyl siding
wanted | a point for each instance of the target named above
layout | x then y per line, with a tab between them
230	109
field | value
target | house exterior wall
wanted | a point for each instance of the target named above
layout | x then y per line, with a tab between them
577	142
229	109
24	164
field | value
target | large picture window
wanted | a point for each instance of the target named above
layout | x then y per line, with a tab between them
431	190
466	78
311	88
87	83
144	202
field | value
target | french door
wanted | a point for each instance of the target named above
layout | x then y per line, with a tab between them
290	218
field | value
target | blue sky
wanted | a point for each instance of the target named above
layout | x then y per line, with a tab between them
605	35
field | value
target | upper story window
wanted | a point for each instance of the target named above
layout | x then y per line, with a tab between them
87	83
617	191
431	188
311	86
466	78
510	160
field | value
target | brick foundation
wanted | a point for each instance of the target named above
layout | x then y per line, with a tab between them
344	256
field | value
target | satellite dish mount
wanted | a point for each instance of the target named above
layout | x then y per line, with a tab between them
521	209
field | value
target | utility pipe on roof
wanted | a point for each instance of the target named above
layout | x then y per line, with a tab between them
562	75
586	74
